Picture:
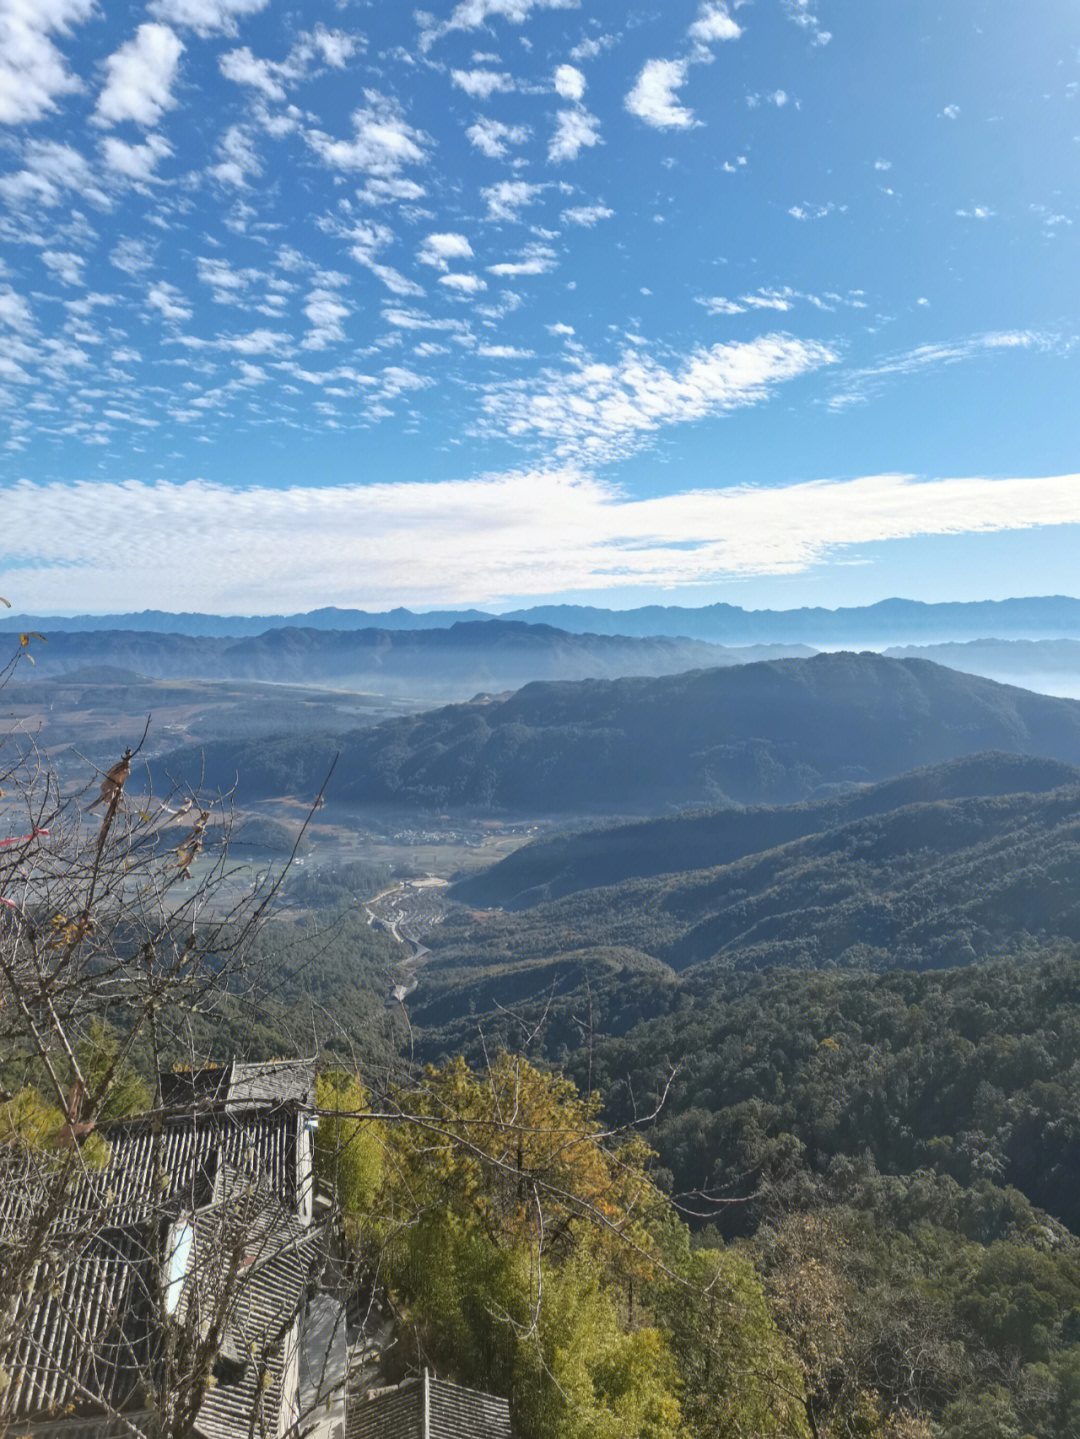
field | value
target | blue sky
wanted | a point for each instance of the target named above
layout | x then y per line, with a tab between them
772	302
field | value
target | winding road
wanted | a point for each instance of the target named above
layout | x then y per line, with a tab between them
408	910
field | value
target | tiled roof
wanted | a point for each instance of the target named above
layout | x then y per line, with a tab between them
247	1396
282	1081
89	1324
396	1414
457	1413
428	1408
242	1083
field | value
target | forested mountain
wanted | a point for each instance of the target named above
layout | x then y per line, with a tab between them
439	664
775	733
552	867
890	622
924	886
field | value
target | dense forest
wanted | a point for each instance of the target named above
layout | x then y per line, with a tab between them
922	886
890	1157
772	732
588	858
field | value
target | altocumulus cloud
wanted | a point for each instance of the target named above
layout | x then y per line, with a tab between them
604	411
496	537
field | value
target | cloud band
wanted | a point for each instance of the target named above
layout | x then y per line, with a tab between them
200	546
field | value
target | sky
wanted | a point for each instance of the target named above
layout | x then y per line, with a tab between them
509	301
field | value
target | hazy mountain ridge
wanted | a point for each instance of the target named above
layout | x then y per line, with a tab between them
1049	665
452	663
889	622
764	733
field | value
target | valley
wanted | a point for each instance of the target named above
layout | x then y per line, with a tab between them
817	915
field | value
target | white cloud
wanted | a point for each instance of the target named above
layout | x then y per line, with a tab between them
237	160
575	130
804	14
720	305
507	198
587	215
472	14
566	331
404	319
882	164
33	72
168	300
536	259
654	98
438	250
465	284
383	141
569	82
476	540
951	112
227	283
206	17
783	299
977	212
273	77
806	211
244	68
135	162
366	240
395	281
714	23
140	77
591	46
51	169
65	265
256	342
483	83
15	312
336	47
595	411
493	137
385	190
133	257
859	384
325	311
504	352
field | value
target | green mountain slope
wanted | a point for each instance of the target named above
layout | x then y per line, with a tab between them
924	886
547	869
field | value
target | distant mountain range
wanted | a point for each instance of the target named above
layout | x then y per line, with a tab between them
890	622
432	664
777	732
1050	666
